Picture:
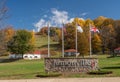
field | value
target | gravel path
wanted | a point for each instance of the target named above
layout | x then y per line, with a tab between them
111	79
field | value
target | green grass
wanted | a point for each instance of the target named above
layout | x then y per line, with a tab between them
110	64
105	65
25	69
21	69
42	42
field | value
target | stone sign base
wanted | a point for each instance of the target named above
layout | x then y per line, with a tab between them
71	65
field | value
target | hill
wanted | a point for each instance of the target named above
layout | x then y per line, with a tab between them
41	43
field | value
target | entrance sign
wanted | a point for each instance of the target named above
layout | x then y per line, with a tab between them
71	65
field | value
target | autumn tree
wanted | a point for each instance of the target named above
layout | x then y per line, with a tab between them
32	40
108	34
2	43
21	43
83	44
87	25
98	22
8	33
96	43
57	36
43	31
3	16
117	31
3	12
79	21
54	33
70	39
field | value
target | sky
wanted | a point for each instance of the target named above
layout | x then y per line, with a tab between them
34	14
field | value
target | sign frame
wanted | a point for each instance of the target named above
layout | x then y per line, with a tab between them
71	65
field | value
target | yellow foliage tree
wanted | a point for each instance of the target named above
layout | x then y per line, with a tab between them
32	41
79	21
8	33
96	43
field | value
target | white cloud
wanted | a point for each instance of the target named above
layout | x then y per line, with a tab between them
71	20
41	23
56	19
83	14
82	19
59	17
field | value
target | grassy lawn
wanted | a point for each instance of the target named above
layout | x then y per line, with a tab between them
25	69
112	64
105	64
21	69
42	42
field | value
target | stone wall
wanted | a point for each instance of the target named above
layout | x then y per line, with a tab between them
71	65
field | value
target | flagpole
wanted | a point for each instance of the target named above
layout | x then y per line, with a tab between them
76	40
90	40
62	40
48	40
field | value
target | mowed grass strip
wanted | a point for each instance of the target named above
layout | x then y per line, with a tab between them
110	64
28	69
21	69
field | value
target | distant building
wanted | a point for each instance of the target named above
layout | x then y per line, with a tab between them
44	53
117	50
70	52
35	55
15	56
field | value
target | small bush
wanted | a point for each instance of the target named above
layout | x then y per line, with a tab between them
49	75
100	72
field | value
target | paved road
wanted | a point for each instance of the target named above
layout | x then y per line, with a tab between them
111	79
